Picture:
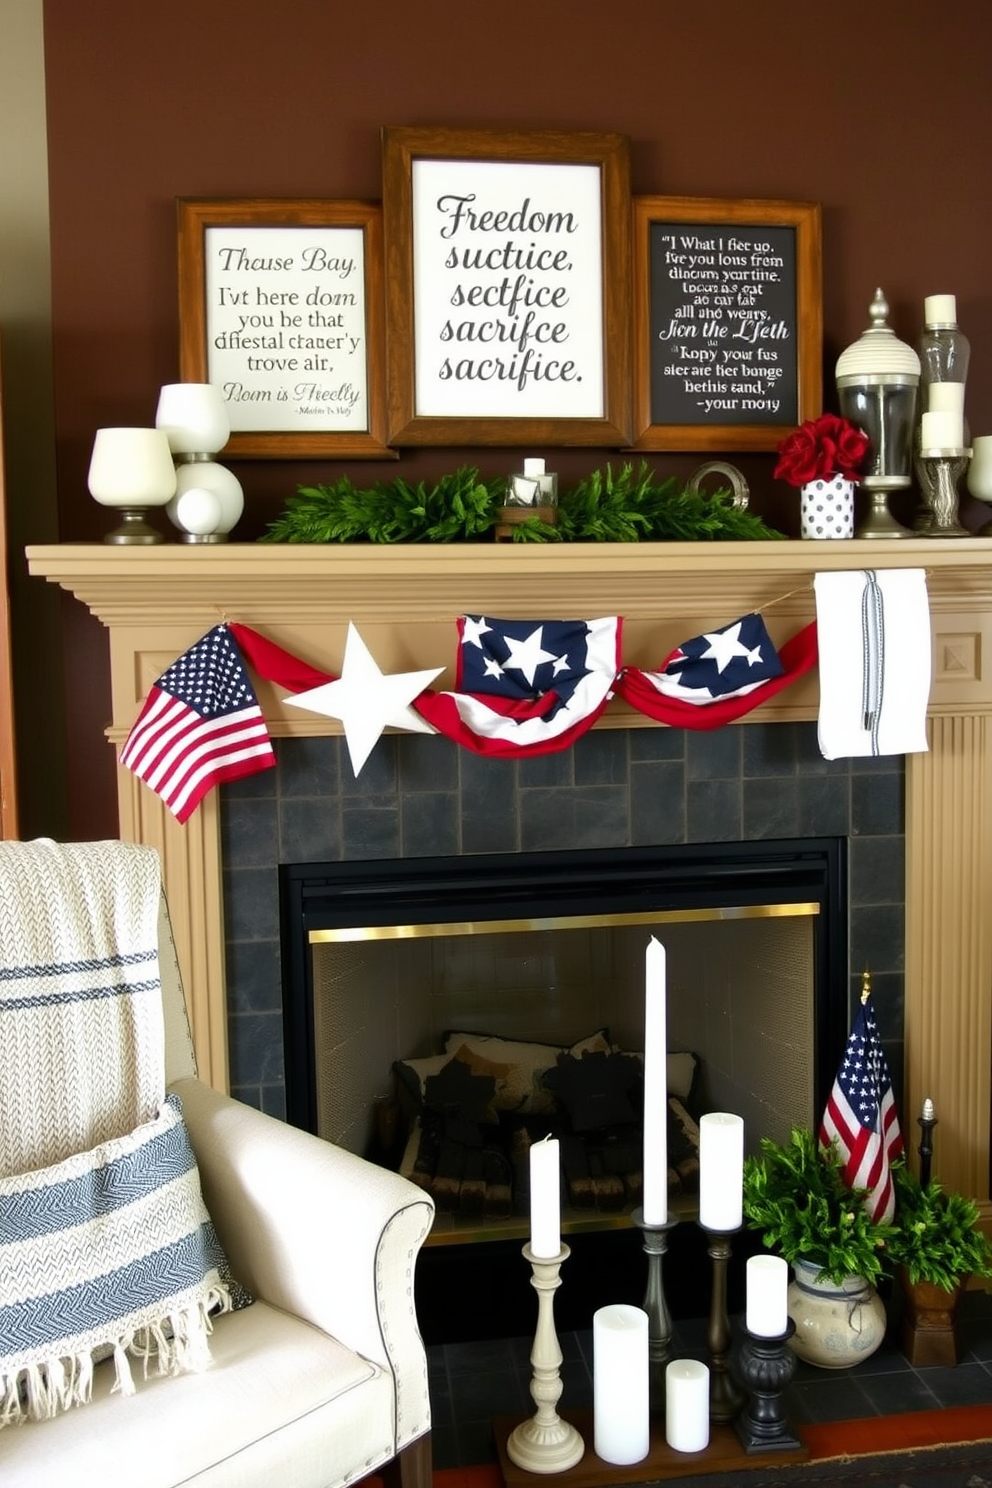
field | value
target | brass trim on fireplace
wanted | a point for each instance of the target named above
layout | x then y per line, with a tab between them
560	922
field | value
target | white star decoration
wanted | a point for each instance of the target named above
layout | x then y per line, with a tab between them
726	644
472	628
367	701
526	656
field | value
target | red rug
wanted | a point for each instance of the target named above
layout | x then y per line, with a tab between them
876	1434
833	1441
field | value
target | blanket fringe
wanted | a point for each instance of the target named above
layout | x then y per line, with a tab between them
176	1344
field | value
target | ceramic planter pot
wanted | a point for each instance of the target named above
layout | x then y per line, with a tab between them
836	1325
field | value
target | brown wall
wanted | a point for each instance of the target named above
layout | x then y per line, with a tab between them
880	112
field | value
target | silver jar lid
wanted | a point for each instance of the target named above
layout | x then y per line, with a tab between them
878	355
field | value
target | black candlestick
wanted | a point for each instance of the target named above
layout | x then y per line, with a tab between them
926	1122
655	1239
767	1365
726	1398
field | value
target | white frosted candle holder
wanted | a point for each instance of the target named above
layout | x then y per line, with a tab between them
621	1405
687	1405
132	470
980	475
194	418
196	422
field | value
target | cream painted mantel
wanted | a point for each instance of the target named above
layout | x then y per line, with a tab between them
156	601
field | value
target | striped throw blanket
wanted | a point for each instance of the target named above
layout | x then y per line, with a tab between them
105	1244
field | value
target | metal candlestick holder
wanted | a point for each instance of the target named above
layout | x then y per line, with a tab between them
767	1366
939	471
545	1443
655	1238
926	1123
726	1397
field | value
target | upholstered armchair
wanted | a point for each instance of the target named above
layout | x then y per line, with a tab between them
322	1379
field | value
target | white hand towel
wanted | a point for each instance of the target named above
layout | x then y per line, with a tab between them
873	632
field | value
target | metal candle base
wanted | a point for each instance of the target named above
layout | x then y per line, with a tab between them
878	521
726	1398
655	1238
545	1443
939	472
767	1365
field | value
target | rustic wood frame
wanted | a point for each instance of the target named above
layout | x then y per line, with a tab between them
195	215
805	218
610	152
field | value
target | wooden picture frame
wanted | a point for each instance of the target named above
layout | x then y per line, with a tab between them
728	322
281	305
507	287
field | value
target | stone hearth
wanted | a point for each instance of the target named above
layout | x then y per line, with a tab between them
157	601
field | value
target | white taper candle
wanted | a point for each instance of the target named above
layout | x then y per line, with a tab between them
545	1199
655	1163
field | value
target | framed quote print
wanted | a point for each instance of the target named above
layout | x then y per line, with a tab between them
281	307
507	287
728	322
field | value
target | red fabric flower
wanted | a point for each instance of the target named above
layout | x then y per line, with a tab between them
821	448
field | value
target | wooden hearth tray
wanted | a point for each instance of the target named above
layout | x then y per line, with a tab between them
724	1454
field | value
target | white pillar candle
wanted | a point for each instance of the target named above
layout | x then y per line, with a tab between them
721	1171
945	397
940	309
621	1405
941	431
655	1160
766	1312
687	1405
545	1199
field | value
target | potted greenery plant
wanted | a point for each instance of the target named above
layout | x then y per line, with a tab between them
796	1199
936	1247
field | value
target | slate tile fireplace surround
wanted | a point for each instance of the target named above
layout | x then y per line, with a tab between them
629	781
423	797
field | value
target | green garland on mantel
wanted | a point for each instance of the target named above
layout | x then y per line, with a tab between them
629	506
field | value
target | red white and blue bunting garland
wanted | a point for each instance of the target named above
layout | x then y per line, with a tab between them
522	688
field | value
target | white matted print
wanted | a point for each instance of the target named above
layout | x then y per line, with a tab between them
508	289
280	305
285	312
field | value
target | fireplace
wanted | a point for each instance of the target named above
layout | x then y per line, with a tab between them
934	932
692	811
384	959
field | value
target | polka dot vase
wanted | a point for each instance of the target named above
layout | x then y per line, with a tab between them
827	507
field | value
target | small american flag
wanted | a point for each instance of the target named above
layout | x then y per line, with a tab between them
200	725
861	1116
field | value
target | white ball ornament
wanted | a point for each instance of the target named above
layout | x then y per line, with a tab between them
207	475
196	511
